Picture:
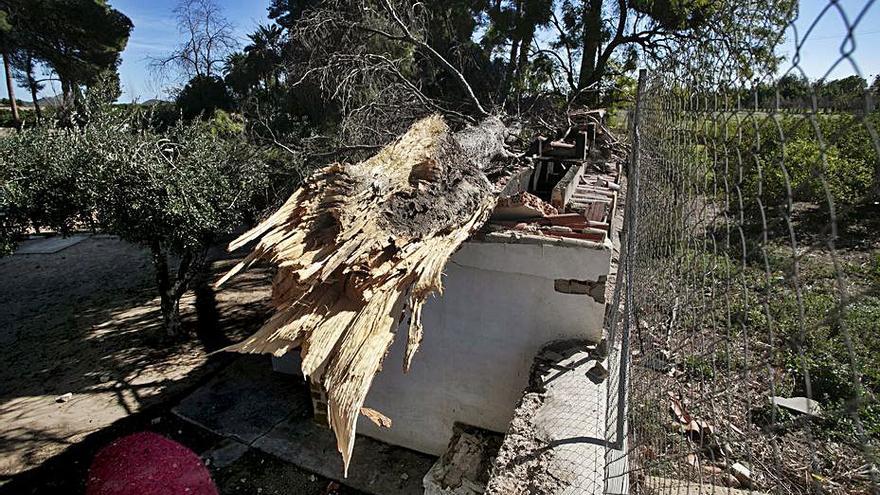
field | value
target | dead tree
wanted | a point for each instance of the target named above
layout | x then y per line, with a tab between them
362	244
208	38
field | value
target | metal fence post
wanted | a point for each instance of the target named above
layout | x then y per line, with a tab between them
631	218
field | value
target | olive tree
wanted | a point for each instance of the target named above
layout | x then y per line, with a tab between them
173	192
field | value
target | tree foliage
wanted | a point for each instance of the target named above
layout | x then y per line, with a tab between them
77	39
172	192
843	160
202	95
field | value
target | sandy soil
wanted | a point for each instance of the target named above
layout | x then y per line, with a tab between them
85	321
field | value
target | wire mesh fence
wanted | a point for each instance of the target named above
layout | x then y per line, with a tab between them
746	312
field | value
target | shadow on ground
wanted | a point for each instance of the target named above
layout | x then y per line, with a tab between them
80	347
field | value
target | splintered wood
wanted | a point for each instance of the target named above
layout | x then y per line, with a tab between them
356	247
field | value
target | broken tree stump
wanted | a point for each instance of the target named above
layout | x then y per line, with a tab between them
361	244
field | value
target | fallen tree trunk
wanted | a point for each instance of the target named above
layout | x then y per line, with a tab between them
359	245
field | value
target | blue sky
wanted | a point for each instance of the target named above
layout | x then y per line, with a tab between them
826	42
155	33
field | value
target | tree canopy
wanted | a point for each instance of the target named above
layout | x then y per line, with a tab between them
77	39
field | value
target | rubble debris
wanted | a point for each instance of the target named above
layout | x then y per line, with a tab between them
729	480
742	473
699	430
464	468
537	455
522	205
570	176
360	243
653	485
583	192
678	411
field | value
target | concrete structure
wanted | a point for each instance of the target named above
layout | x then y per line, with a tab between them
501	304
536	274
254	408
558	442
48	245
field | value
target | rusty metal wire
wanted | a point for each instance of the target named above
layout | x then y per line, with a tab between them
745	317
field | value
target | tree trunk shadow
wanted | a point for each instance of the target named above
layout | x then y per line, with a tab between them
208	329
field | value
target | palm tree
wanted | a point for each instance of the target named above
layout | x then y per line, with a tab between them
265	52
239	75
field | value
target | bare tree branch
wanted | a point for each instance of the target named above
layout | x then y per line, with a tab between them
407	36
208	39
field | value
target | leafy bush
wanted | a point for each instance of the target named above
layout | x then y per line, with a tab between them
224	124
847	163
173	192
45	174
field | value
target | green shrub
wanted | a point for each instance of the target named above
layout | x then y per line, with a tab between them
752	150
173	192
226	125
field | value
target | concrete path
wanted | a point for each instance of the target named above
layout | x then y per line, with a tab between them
269	411
49	245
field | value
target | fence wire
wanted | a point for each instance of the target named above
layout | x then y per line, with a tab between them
746	313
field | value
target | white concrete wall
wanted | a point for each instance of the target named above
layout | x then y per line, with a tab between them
498	309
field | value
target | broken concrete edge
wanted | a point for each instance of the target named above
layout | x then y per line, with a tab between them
564	189
524	461
514	237
522	465
592	288
465	467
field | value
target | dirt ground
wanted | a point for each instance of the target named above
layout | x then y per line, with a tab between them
254	472
84	321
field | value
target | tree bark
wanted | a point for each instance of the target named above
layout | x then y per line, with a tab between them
32	85
170	291
515	39
511	65
10	88
875	190
592	39
169	304
171	316
37	110
353	255
523	63
70	92
65	92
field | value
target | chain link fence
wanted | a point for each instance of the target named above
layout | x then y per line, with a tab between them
746	317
